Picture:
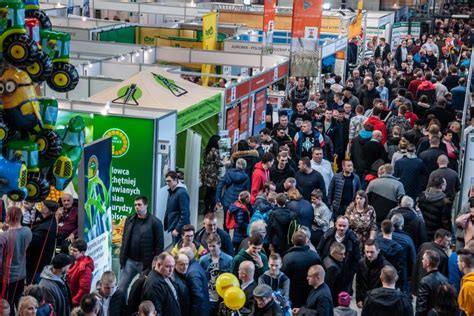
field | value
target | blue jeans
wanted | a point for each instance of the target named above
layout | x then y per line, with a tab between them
127	273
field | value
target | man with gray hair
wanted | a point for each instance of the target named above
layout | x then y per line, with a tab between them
231	184
197	280
384	193
413	224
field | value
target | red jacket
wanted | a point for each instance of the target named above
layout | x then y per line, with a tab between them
379	125
79	278
413	86
259	177
412	117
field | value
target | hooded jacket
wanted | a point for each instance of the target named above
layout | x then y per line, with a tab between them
427	88
466	294
357	153
177	209
242	217
387	302
234	181
79	278
379	125
260	175
277	228
56	291
250	156
435	207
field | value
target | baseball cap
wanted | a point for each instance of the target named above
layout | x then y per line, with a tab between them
61	260
262	290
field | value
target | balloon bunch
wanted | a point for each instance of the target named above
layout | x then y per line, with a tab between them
227	286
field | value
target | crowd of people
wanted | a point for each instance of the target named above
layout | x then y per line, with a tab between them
348	197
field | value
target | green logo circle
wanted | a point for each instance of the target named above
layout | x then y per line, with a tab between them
137	94
92	166
120	141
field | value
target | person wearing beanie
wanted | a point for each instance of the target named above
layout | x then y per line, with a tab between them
344	300
56	289
43	244
264	304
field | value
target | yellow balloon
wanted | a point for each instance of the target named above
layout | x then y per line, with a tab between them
225	281
234	298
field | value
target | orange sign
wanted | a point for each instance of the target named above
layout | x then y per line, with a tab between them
307	16
269	15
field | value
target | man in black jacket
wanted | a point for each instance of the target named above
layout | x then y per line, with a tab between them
387	300
142	240
319	299
177	207
210	227
278	223
333	266
368	271
299	93
428	286
296	263
308	179
160	289
346	236
281	171
112	299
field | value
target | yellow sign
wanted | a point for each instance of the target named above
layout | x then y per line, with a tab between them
356	28
209	40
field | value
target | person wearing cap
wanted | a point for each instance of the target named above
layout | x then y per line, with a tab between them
344	300
43	244
350	98
264	304
56	289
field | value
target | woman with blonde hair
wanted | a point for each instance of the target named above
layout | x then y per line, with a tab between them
28	306
362	218
301	207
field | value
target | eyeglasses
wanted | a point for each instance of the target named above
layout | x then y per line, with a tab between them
8	87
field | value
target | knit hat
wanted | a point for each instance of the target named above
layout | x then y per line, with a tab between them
344	299
262	290
61	260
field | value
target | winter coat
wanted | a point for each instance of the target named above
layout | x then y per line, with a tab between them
151	241
259	177
158	291
333	277
427	291
277	228
210	168
303	210
335	133
367	97
394	254
226	243
427	88
234	181
352	257
320	301
280	284
250	156
435	207
379	125
79	278
296	262
413	86
197	282
177	209
307	182
271	309
459	95
419	272
384	194
374	151
242	216
357	152
387	302
409	170
297	95
300	141
336	190
408	257
279	176
466	294
414	227
42	246
368	276
244	256
56	291
183	290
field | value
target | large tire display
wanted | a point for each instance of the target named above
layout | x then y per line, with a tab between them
19	50
64	77
41	68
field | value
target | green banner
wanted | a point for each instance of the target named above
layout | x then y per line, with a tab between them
198	113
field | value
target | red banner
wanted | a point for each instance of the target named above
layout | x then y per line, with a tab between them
269	9
260	98
244	116
232	123
307	16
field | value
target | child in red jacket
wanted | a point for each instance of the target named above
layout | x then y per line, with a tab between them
79	276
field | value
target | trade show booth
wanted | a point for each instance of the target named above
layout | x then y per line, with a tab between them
86	29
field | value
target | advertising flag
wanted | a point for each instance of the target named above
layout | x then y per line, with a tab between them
305	29
209	40
269	9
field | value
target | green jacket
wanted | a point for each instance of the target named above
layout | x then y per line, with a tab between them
244	256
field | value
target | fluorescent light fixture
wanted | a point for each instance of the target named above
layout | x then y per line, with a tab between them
326	6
